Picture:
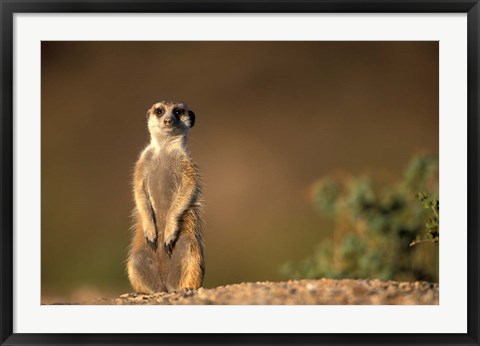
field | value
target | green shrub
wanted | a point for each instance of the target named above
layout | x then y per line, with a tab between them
373	225
431	227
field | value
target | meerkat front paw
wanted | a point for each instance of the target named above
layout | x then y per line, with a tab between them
151	237
171	237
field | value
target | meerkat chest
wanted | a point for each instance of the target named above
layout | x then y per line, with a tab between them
163	177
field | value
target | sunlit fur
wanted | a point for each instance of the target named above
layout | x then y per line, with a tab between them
166	252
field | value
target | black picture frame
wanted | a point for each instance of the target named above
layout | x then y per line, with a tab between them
10	7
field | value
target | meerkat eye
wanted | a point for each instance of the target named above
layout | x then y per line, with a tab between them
178	112
159	111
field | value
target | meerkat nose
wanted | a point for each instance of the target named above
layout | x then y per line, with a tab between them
167	121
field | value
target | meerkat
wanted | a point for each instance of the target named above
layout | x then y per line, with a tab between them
166	251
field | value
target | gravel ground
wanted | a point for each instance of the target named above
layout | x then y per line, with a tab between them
319	292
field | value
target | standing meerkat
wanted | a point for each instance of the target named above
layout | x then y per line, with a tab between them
166	252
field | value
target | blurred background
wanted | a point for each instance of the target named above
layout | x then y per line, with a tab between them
311	155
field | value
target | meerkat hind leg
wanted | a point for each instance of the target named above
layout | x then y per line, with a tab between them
143	272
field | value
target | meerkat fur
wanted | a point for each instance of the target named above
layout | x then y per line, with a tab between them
166	252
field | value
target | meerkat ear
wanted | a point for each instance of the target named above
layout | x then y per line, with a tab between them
147	115
192	118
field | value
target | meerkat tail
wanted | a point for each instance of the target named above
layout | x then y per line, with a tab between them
193	268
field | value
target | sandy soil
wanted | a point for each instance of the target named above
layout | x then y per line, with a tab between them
324	291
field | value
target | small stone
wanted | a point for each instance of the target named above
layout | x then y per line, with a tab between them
138	298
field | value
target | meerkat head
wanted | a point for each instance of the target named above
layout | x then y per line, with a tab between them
169	119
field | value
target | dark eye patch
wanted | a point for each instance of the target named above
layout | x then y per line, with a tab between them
178	111
159	111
